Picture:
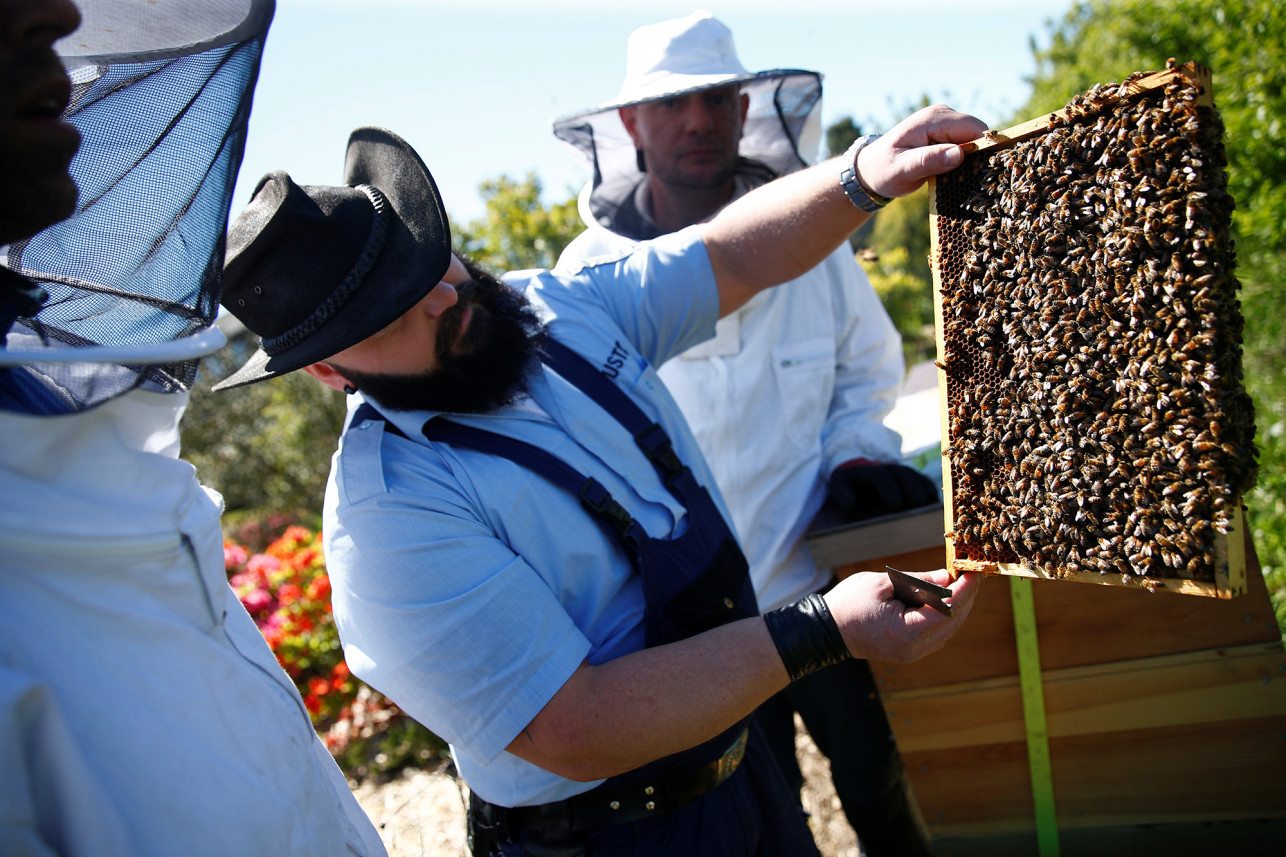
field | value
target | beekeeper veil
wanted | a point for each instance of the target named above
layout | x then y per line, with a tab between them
161	97
782	130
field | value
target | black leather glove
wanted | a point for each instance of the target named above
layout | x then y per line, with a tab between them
864	489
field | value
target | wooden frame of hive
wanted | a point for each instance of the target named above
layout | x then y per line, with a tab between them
973	373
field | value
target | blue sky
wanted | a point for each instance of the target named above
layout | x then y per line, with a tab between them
473	85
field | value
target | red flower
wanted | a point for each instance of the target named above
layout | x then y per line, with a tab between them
289	593
274	635
233	556
319	589
263	564
257	600
305	558
291	540
296	533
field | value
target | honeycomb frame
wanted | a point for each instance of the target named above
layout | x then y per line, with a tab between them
978	486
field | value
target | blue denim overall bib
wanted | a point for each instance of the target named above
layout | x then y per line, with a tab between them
713	799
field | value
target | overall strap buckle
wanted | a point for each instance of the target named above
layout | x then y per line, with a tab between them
656	445
597	499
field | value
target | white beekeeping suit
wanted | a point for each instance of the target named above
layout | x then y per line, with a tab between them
832	357
141	711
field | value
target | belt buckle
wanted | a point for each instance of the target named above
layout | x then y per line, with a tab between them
731	758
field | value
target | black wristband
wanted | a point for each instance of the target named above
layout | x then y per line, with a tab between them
806	636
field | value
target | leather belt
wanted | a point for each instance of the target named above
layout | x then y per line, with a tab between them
621	805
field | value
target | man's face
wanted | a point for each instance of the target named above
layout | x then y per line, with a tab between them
465	348
36	148
689	141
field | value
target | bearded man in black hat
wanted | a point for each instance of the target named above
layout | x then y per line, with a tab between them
526	547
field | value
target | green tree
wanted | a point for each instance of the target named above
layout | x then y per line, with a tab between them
907	300
517	231
1244	44
841	135
905	223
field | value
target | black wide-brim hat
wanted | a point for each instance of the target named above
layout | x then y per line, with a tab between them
314	270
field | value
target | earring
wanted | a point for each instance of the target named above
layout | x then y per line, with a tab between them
638	160
350	389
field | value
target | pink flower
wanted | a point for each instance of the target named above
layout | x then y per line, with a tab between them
262	563
275	637
233	556
257	600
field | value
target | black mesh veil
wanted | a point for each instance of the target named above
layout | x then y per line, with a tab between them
162	95
782	131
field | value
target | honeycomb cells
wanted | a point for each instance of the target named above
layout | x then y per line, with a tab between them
1091	341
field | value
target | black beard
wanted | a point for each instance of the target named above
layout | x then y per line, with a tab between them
488	374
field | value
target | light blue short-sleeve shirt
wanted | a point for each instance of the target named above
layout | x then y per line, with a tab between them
467	588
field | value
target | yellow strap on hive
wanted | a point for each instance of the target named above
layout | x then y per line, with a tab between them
1042	780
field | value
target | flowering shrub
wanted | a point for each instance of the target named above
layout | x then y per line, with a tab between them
286	590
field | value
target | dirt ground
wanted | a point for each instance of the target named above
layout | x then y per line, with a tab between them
421	814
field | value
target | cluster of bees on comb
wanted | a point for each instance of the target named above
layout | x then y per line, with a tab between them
1091	341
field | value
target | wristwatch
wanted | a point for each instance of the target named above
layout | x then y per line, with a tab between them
867	200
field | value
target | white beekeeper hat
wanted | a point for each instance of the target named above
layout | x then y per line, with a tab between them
679	55
783	123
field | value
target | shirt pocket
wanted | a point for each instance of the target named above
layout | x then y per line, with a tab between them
804	372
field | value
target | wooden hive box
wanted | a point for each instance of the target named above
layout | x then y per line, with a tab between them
1170	727
1095	423
1165	717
